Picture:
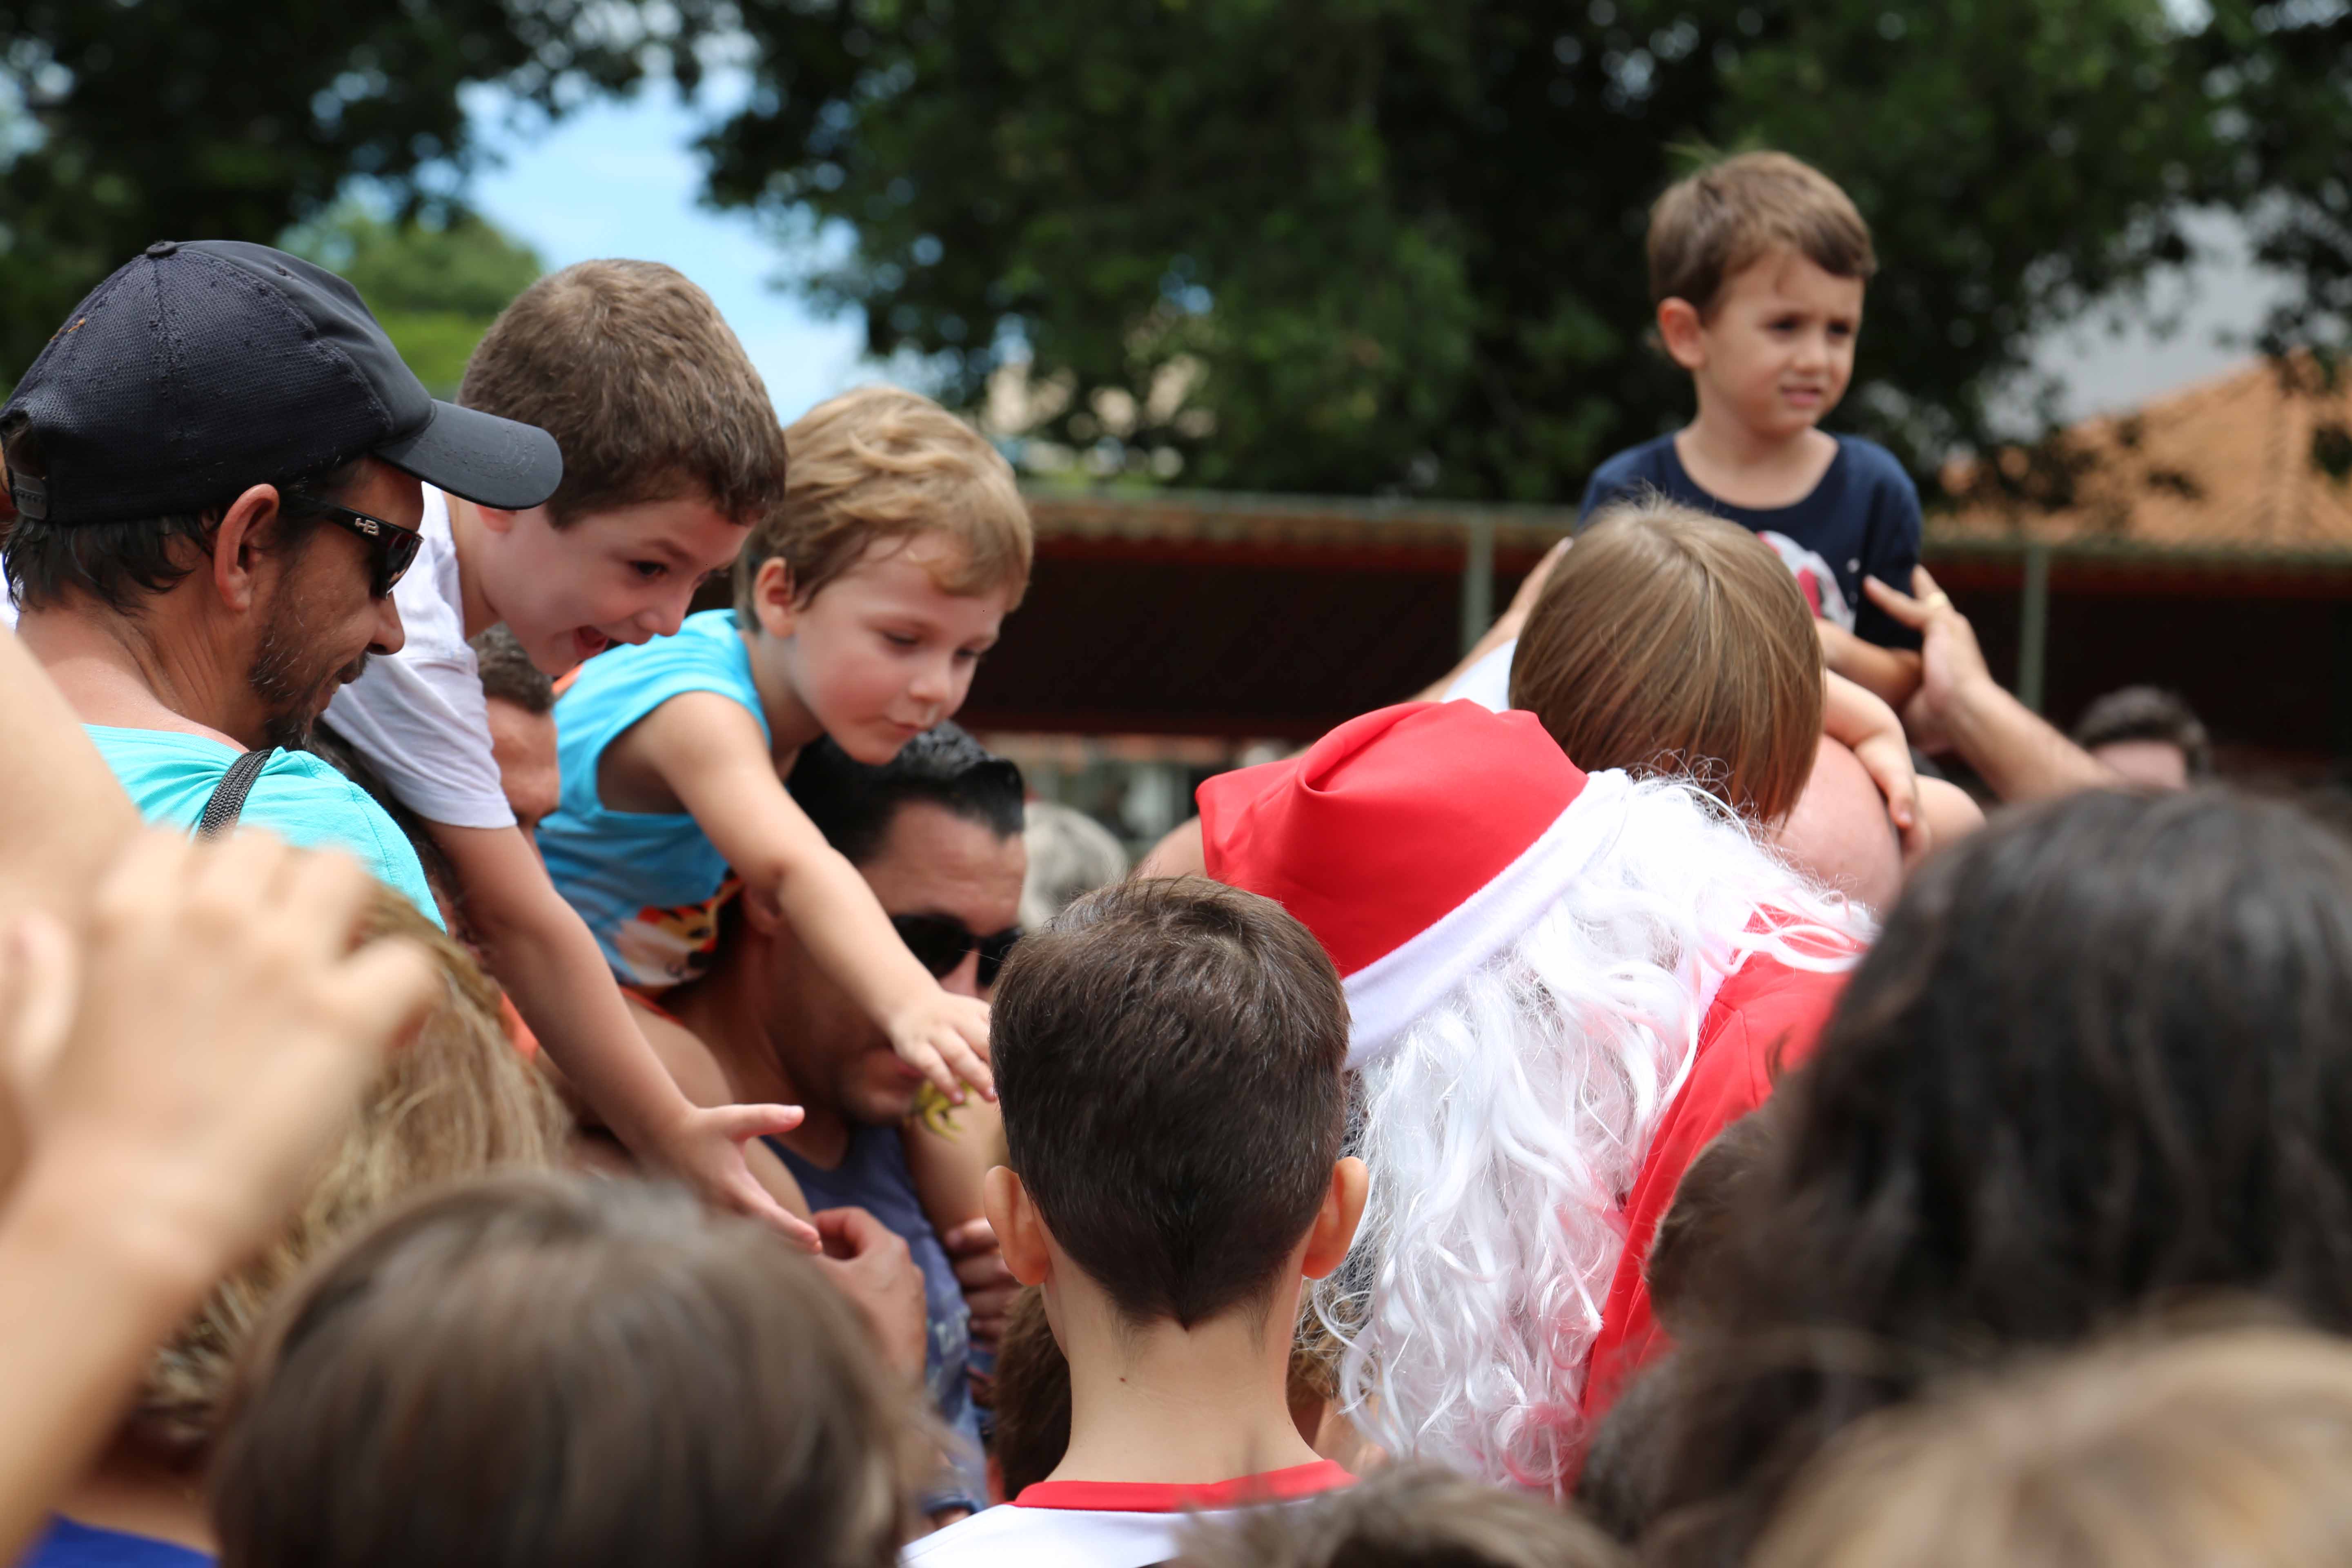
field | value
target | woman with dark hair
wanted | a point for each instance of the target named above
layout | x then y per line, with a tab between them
2100	1056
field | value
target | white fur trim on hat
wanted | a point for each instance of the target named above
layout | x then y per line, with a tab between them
1389	993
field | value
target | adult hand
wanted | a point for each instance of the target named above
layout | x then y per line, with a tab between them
1952	666
40	980
705	1147
987	1282
868	1262
220	1036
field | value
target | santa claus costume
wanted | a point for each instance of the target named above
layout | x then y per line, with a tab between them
1562	985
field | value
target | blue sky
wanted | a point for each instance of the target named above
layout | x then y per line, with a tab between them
619	178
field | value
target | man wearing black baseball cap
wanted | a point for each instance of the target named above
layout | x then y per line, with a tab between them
216	467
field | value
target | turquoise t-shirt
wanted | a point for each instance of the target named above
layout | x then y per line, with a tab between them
170	776
648	883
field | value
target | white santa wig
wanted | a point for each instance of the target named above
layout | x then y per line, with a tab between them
1504	1123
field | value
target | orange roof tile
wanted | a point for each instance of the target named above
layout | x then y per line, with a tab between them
2228	466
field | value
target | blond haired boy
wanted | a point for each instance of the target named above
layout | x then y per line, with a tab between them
671	450
862	604
1758	266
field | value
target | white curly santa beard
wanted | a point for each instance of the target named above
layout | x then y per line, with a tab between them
1505	1126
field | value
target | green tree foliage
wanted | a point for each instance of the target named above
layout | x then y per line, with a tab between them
435	287
123	121
1403	238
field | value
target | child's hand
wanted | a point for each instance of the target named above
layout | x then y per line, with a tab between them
945	1037
1868	727
705	1147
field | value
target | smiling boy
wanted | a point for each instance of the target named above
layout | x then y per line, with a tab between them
671	450
1758	266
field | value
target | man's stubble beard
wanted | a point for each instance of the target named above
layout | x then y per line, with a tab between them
286	676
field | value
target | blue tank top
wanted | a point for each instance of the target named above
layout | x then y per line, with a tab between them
649	884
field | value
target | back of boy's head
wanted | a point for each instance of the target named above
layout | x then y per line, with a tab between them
1669	641
1403	1518
528	1372
1686	1255
1169	1057
1712	225
633	370
885	466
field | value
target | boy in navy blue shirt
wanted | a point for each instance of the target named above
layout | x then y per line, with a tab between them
1758	266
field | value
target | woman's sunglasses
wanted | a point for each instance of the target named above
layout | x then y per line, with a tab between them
396	547
939	943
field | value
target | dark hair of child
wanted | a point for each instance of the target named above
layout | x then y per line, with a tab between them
1169	1058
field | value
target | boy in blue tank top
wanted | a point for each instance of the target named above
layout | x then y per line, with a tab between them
1758	266
863	605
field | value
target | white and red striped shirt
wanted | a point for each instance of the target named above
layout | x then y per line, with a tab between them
1106	1524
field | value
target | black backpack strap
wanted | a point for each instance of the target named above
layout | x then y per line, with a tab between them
228	803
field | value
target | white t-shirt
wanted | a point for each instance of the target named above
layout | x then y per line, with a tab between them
1488	682
419	718
1106	1524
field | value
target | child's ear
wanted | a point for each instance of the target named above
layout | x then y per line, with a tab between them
1678	329
774	598
497	519
1336	1221
1020	1229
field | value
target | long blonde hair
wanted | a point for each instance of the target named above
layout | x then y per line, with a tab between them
456	1100
1669	642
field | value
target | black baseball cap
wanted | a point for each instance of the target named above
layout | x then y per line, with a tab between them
205	366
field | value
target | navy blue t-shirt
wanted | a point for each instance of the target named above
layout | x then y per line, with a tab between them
1863	519
66	1544
872	1176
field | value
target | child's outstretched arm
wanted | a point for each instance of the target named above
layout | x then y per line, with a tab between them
544	955
1889	674
711	753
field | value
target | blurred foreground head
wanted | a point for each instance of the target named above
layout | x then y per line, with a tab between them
2100	1054
2227	1447
454	1102
1405	1519
534	1370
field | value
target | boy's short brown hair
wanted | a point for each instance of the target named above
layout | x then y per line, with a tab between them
633	371
1168	1056
885	464
1714	225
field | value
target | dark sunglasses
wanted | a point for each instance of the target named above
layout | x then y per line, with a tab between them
396	547
939	944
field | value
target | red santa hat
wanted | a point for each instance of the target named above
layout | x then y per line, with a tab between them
1416	843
